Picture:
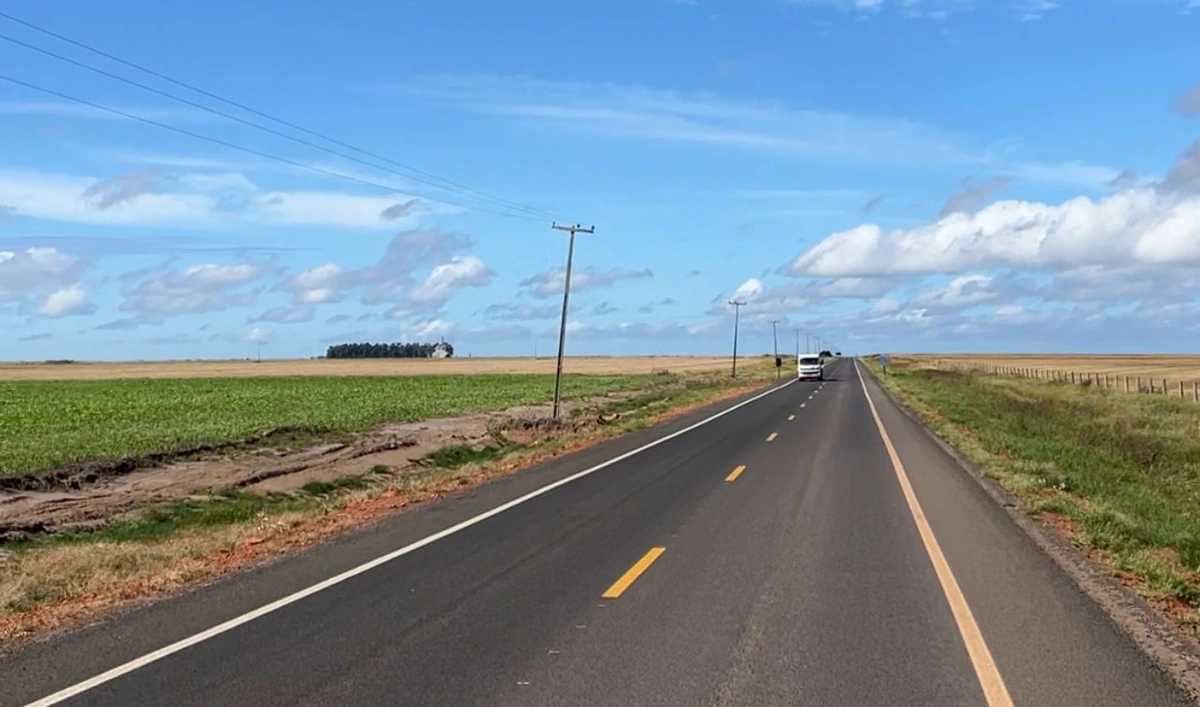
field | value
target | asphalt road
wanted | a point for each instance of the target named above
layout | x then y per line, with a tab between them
666	578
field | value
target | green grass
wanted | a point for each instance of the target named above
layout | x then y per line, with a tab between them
48	424
462	454
1124	468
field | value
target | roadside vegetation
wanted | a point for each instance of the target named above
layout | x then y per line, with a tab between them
1119	474
54	579
48	424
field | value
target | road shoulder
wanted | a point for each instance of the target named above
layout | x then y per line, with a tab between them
1170	650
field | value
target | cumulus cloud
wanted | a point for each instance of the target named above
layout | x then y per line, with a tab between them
748	291
960	292
550	282
315	286
35	270
856	288
1143	226
66	302
208	287
448	278
393	277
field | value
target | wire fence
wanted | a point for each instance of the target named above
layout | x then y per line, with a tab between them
1148	385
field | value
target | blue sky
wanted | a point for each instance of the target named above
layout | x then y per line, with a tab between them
900	175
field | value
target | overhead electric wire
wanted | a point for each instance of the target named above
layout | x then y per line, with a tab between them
423	177
225	143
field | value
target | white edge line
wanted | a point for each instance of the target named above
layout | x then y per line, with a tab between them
249	616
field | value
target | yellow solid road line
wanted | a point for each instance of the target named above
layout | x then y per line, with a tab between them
771	437
734	474
618	588
994	690
791	417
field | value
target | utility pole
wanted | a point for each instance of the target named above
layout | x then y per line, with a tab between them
797	347
562	328
260	352
775	339
737	310
807	343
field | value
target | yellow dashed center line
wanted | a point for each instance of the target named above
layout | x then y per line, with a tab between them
733	475
771	437
618	588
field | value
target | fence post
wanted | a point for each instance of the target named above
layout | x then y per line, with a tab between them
1126	383
1139	384
1072	377
1195	392
1181	390
1165	387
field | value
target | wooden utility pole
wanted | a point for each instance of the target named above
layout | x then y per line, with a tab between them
775	339
737	311
562	327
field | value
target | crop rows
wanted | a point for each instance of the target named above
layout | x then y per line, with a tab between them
47	424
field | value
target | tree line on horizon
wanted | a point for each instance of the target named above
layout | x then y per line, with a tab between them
392	350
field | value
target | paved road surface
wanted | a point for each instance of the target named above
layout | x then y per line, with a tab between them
666	578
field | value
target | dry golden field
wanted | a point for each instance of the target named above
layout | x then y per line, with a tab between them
1158	366
354	367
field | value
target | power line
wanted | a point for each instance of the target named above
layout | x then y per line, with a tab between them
225	143
409	171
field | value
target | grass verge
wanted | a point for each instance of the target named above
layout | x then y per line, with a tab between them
56	580
1119	474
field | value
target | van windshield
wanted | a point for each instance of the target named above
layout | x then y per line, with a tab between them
810	361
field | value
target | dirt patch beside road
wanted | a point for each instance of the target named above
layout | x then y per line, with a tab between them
95	497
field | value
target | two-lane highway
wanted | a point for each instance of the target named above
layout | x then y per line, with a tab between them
808	547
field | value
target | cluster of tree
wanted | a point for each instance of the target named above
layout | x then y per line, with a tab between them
393	350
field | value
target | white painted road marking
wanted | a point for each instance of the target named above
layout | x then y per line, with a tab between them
249	616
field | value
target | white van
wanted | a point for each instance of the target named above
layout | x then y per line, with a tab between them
809	368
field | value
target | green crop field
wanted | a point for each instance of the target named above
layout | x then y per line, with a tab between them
47	424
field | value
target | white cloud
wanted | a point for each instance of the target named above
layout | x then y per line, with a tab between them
856	288
963	291
36	270
748	291
65	109
316	286
192	200
705	119
65	302
1137	226
448	278
196	289
257	335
